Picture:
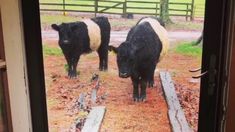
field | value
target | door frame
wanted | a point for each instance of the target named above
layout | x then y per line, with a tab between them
230	99
3	82
214	43
35	68
212	95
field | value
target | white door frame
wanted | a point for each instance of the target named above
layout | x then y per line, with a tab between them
16	65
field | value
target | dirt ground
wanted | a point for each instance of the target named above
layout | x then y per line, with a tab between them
122	114
187	89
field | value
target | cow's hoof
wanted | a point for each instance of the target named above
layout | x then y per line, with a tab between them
103	69
150	84
72	75
142	98
135	99
69	75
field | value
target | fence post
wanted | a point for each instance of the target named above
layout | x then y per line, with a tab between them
64	13
192	11
124	8
96	7
187	13
156	7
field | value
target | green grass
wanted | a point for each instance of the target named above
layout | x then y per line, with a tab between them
185	25
188	49
118	23
51	51
47	19
66	67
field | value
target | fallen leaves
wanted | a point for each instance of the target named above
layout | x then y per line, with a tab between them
189	100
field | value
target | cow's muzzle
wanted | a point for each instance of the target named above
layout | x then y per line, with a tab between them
66	42
123	75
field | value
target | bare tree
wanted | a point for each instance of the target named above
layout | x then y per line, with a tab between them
164	12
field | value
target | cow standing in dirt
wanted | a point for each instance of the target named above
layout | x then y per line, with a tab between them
81	37
137	57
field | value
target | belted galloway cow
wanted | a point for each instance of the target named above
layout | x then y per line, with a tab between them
77	38
146	43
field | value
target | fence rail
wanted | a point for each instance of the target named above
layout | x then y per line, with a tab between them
118	7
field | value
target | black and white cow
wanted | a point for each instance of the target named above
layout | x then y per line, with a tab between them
84	36
137	57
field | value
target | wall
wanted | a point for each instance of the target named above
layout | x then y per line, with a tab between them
15	59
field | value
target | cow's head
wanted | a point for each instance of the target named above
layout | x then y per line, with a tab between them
65	31
125	59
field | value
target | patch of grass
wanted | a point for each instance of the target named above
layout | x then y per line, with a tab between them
51	51
118	24
47	19
188	49
184	25
52	102
122	23
66	67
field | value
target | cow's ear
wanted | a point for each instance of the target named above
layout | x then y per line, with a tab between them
55	27
114	49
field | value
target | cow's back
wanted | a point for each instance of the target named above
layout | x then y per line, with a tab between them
146	43
105	28
159	31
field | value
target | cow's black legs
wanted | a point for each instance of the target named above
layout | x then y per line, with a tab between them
143	84
103	55
74	67
69	62
150	82
135	82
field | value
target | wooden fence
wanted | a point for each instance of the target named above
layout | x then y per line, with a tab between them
118	7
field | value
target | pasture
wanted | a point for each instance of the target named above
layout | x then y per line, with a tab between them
122	114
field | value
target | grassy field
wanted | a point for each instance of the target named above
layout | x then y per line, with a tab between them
118	24
188	49
48	51
199	6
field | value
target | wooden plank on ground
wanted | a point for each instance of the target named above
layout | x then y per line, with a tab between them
175	112
94	119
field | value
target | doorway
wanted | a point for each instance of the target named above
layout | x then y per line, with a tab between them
215	30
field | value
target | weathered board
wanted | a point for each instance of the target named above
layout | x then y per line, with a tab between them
175	112
94	119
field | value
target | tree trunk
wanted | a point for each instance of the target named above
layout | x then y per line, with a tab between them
164	12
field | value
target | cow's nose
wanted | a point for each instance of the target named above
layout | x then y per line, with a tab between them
66	41
122	74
